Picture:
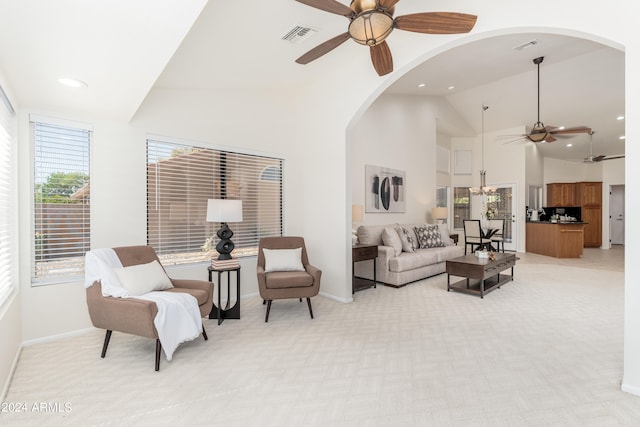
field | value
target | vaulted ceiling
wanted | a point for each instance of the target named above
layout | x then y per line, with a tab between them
123	49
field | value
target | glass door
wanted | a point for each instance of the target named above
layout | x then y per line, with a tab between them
501	206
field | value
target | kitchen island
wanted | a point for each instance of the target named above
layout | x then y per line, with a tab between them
556	239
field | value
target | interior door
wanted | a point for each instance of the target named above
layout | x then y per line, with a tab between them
616	215
503	203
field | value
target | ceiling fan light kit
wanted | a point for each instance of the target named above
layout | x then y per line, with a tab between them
371	22
370	28
541	133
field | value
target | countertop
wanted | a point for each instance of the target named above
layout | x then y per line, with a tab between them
559	222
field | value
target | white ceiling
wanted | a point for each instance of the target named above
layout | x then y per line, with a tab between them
122	49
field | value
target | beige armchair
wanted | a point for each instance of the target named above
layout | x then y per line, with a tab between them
136	316
286	284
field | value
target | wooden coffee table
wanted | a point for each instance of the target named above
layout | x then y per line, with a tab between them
481	275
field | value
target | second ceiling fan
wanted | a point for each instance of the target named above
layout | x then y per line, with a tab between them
595	159
371	21
539	132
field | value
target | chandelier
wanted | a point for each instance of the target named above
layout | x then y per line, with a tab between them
483	189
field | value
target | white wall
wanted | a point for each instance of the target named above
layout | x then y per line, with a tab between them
398	132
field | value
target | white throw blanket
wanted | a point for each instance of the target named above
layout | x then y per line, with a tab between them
178	318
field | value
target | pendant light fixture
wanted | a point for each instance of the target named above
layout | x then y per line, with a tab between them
483	189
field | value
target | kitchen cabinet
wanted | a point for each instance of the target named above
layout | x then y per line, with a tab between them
593	230
589	198
589	193
555	239
561	194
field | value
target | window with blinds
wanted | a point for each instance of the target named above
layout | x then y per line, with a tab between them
180	180
461	206
8	192
62	224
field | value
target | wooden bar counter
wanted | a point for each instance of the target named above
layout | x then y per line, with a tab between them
559	240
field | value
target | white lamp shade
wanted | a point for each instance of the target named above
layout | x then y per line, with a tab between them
439	213
224	210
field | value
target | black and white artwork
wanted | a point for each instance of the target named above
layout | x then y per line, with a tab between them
384	189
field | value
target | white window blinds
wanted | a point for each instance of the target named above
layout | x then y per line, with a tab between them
62	232
180	180
8	202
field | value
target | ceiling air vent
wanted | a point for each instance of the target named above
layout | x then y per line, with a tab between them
528	44
298	34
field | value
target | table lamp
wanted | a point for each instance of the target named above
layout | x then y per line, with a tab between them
356	218
439	214
224	211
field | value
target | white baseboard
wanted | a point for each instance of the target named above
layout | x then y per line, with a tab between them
57	337
12	371
630	389
335	298
330	296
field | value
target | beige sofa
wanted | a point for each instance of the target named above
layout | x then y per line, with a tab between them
398	267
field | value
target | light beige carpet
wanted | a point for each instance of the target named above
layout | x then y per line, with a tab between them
544	350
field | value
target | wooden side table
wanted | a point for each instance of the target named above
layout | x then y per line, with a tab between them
362	253
217	312
454	237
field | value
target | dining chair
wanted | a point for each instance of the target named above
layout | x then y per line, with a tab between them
473	235
498	236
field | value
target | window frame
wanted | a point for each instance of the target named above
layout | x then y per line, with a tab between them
77	271
8	200
262	173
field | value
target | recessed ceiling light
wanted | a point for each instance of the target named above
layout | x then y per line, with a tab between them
422	85
569	145
451	87
72	82
622	137
620	118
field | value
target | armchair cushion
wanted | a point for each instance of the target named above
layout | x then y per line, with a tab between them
143	278
283	260
288	279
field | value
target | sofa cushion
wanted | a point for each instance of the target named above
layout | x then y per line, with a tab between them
444	234
407	238
390	238
429	236
408	261
449	252
371	234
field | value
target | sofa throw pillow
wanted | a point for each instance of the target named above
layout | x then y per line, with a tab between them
408	245
141	279
282	260
390	238
444	234
429	236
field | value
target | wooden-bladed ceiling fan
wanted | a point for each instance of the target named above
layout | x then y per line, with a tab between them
539	132
371	22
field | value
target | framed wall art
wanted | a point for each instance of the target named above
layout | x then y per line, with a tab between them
384	189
